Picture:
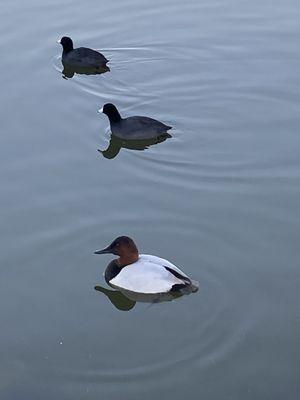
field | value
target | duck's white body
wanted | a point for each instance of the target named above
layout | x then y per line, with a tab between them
149	275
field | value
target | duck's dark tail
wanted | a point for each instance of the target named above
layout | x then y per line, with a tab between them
187	284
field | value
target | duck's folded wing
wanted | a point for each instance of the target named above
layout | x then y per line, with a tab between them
162	261
146	277
147	122
87	56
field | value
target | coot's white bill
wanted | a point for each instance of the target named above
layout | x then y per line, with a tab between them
58	40
100	110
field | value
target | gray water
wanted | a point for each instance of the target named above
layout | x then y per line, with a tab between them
220	199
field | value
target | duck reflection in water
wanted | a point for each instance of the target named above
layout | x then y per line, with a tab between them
70	70
116	144
125	301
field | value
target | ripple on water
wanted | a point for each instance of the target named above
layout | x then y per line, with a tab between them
122	61
211	338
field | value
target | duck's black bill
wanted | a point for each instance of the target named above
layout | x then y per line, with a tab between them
104	251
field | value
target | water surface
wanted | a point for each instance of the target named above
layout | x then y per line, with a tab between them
221	199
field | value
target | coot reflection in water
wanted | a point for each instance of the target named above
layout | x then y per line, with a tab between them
126	300
116	144
70	70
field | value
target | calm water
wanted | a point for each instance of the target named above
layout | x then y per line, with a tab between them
221	199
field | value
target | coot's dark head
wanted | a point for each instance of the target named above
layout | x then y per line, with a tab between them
111	111
66	43
123	246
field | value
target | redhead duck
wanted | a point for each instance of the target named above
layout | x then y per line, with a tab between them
80	57
142	273
135	127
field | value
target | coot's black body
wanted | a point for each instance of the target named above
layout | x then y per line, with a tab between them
82	57
137	127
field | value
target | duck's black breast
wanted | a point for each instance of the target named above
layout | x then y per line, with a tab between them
111	271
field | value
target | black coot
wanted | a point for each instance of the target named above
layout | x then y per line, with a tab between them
133	127
81	57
